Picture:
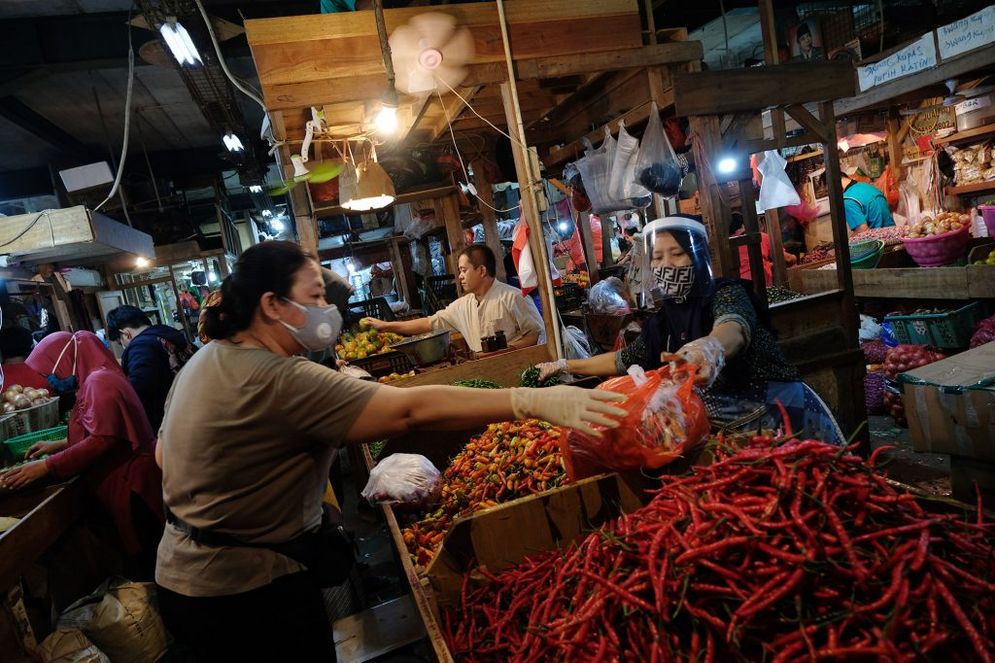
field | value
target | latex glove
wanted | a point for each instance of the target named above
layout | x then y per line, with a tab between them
572	407
548	369
708	355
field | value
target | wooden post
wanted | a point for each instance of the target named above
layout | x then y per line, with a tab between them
768	26
587	240
844	272
776	247
895	145
753	250
530	211
397	263
707	145
606	241
448	208
485	194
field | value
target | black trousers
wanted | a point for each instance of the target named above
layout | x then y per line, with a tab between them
282	621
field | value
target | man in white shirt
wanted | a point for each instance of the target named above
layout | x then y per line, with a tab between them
487	307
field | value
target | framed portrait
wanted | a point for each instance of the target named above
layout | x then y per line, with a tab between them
805	40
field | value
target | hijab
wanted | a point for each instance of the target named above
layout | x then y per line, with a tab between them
106	403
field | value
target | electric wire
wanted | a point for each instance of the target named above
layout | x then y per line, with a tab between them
244	89
127	126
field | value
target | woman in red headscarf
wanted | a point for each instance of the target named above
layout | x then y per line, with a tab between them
110	441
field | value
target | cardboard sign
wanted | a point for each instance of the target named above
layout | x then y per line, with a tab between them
967	34
913	58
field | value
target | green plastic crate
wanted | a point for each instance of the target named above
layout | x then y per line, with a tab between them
18	446
952	329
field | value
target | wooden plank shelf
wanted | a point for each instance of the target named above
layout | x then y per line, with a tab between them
965	189
967	134
907	282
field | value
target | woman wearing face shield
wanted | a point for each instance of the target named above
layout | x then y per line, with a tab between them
717	325
109	441
250	431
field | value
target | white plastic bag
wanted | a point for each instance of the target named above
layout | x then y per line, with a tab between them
608	297
622	184
776	189
657	169
409	479
595	172
575	345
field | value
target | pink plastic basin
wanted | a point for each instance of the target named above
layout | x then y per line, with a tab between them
938	250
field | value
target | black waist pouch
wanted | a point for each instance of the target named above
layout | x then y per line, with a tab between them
327	552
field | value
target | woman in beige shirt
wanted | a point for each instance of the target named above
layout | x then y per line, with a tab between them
246	444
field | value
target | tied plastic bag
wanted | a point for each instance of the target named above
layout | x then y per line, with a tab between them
776	189
657	168
575	345
608	297
409	479
665	420
120	618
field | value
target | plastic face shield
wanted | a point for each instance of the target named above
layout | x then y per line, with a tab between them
676	256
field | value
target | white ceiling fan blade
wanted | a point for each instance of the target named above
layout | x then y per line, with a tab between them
977	92
404	44
460	48
435	28
413	79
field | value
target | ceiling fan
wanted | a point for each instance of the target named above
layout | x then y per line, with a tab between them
319	173
952	99
430	50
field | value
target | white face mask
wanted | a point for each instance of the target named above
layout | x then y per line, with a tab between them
321	327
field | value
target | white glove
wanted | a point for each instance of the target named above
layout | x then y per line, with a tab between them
572	407
708	354
548	369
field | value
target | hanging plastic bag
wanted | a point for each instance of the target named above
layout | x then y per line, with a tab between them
595	171
575	345
607	297
408	479
776	189
622	184
657	169
665	420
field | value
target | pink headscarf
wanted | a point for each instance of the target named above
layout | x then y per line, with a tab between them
106	403
66	354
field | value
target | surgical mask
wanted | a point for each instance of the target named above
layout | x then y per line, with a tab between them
321	327
66	384
674	282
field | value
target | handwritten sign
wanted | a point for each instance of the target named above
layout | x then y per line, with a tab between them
913	58
967	34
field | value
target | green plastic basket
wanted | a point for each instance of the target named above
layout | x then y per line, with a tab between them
866	255
952	329
18	446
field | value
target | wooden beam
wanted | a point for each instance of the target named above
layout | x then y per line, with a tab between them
459	105
406	197
728	91
895	145
448	208
754	254
780	272
593	63
808	121
956	67
587	240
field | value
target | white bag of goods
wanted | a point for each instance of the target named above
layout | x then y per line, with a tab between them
409	479
70	646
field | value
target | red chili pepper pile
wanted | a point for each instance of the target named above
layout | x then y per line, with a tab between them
509	460
796	552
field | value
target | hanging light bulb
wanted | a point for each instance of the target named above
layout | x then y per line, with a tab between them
179	42
564	226
374	190
255	188
141	262
277	225
266	213
387	117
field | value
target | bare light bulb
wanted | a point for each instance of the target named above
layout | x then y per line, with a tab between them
727	165
387	119
141	262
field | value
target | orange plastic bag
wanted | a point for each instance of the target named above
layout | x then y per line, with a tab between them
665	419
